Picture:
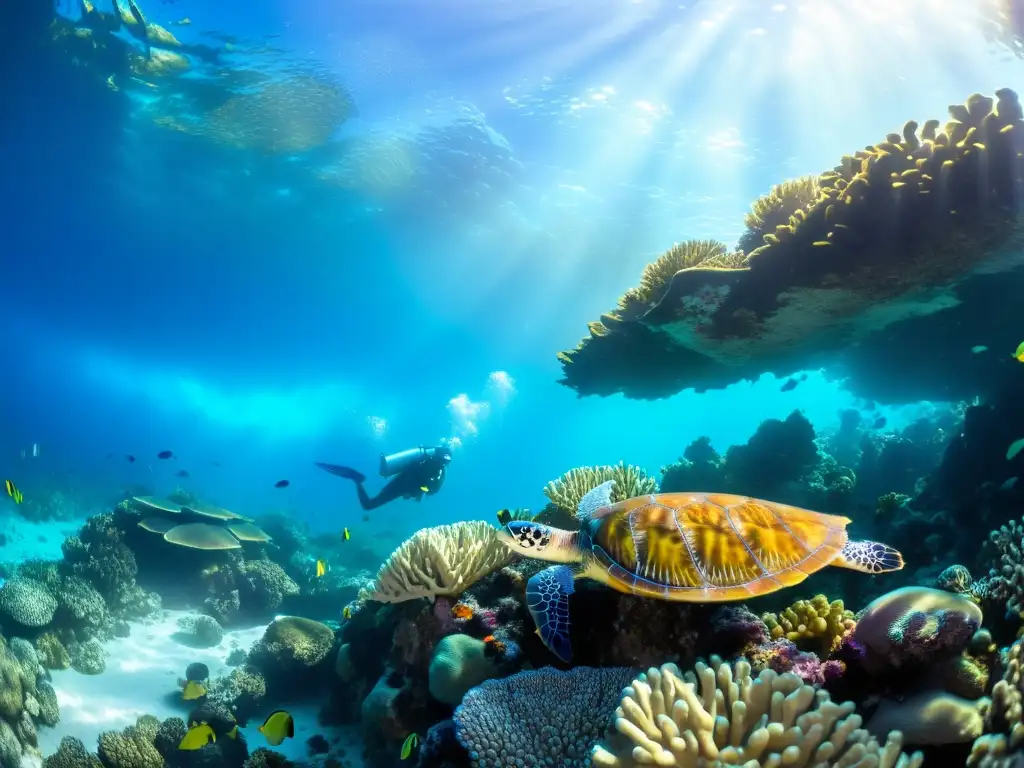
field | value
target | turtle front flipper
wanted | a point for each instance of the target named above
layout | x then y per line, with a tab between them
547	597
869	557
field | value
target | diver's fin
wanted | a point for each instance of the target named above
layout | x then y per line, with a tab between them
347	472
869	557
593	500
547	597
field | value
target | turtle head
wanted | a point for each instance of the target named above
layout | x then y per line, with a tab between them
542	542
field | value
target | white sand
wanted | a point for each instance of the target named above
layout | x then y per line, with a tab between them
142	678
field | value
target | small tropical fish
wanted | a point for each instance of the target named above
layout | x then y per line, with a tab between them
181	473
321	568
277	727
1015	447
789	386
1019	354
978	349
282	484
198	736
165	454
880	422
346	612
345	535
462	611
131	459
193	690
411	742
13	492
209	571
424	489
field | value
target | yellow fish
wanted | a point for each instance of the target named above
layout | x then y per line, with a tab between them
410	743
321	568
345	535
277	727
346	612
197	737
1019	354
193	691
13	492
424	488
233	733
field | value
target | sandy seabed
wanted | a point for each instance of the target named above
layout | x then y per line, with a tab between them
142	678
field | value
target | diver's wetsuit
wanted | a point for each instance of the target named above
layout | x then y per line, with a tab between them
423	478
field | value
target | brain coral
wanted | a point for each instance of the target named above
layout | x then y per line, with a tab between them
721	715
27	602
444	560
459	663
539	717
292	641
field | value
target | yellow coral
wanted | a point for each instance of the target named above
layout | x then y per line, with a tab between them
816	624
690	253
773	210
629	481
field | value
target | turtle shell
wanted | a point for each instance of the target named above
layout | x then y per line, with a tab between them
711	547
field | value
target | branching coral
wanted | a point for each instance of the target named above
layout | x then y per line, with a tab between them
544	716
816	624
1001	748
444	560
775	209
629	481
1006	580
720	714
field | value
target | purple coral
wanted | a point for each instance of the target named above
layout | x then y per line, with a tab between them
539	717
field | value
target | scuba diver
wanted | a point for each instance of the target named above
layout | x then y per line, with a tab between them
414	473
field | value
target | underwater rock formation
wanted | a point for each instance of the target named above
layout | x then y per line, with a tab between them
892	241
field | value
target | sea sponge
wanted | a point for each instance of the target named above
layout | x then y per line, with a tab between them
915	626
72	754
628	481
444	560
775	208
720	714
539	717
132	747
931	718
815	624
291	642
459	663
27	602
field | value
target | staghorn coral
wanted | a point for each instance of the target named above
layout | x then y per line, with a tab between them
829	276
550	716
27	602
775	209
444	560
629	481
815	624
720	714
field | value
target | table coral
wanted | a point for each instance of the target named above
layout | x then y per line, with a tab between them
815	624
720	714
628	481
443	560
543	716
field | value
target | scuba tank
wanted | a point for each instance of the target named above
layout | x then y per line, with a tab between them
399	462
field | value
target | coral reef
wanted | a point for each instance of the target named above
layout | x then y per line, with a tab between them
817	624
444	560
721	713
628	481
829	275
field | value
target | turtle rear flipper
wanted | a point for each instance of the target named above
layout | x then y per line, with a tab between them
547	597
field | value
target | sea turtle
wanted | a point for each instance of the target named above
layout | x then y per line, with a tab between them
687	547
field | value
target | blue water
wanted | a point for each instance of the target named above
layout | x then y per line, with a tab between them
164	292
